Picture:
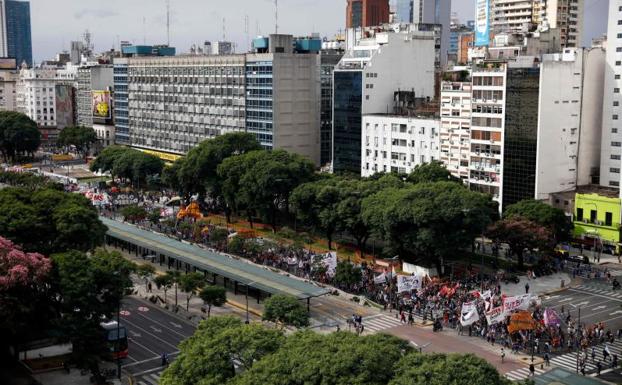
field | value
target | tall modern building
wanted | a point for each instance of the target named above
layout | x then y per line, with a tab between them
18	33
377	63
611	147
455	127
435	12
567	15
331	53
509	16
367	13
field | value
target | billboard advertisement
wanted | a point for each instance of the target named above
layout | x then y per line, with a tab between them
101	104
482	23
64	106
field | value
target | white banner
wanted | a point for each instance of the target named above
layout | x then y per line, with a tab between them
495	315
520	302
330	261
408	283
487	295
469	314
381	279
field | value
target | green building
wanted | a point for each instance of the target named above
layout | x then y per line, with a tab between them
597	219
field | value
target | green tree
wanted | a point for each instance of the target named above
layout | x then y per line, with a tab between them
315	203
236	245
337	358
19	135
428	221
539	212
154	216
137	166
104	162
441	369
145	272
219	343
82	138
520	234
285	310
266	180
49	220
191	284
347	274
89	289
434	171
163	282
213	296
134	213
196	173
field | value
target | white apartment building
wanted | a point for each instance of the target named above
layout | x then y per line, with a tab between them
569	120
455	128
46	96
513	15
611	144
567	15
394	143
8	90
376	64
487	130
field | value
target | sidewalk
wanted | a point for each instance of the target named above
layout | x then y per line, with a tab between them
539	285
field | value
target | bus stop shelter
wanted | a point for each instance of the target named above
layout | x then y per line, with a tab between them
230	271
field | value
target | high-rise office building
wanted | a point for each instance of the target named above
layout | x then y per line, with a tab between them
331	53
18	33
455	127
367	13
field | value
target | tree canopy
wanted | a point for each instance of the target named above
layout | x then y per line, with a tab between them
19	135
434	171
49	221
520	234
213	295
428	221
261	181
124	162
285	310
545	215
82	138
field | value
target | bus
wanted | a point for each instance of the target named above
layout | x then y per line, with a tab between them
117	343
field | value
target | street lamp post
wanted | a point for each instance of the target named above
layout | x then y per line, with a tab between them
118	349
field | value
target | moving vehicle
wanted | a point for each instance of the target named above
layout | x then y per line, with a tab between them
116	338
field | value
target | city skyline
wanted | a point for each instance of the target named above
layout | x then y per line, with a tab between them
56	24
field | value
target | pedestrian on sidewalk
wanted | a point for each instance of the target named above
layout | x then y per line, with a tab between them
547	359
527	288
532	370
599	367
502	355
164	359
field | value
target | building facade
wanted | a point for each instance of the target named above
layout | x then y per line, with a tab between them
404	11
394	143
367	13
121	101
328	60
176	102
18	32
569	120
435	12
374	67
455	128
94	81
611	144
567	16
46	96
509	16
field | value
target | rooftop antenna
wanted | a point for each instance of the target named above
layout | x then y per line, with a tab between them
257	28
144	30
276	16
224	30
168	23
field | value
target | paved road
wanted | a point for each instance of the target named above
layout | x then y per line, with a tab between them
151	332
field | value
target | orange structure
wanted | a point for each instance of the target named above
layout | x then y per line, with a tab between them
192	211
367	13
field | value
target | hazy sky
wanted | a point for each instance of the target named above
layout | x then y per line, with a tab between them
56	22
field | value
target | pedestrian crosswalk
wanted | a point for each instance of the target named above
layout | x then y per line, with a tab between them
601	289
569	360
149	378
380	322
523	373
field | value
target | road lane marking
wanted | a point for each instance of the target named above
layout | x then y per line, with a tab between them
566	299
164	326
155	329
152	335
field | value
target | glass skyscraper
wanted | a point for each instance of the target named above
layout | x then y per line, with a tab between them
347	109
19	39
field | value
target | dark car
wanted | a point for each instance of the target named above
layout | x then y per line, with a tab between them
578	259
